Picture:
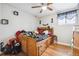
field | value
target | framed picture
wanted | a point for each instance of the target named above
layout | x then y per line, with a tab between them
39	21
15	13
51	20
4	21
45	24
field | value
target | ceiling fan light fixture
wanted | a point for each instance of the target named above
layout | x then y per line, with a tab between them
44	7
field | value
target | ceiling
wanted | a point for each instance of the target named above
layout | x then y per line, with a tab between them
57	7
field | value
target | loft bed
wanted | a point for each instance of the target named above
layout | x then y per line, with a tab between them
32	45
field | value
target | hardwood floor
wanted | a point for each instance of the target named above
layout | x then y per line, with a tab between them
55	50
60	50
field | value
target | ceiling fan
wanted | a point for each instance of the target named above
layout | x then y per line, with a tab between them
43	7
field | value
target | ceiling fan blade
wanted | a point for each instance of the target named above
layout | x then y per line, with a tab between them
49	3
49	8
36	6
41	11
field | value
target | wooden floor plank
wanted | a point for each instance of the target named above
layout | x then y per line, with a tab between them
60	50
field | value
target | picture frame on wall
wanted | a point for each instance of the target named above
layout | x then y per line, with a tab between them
45	24
15	13
39	21
51	20
4	21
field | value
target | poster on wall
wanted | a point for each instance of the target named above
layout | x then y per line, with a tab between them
4	21
51	20
39	21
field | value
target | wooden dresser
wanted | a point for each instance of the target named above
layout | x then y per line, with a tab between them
42	45
33	48
76	39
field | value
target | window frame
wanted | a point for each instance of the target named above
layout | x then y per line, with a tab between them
66	18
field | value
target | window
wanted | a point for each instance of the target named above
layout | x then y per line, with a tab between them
67	17
61	18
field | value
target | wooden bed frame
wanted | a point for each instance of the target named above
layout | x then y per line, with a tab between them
31	47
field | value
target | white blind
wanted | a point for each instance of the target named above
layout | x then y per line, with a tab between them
67	17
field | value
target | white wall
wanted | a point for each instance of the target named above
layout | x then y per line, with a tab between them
22	21
63	32
78	14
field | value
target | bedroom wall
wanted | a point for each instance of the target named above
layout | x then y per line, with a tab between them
63	32
78	14
23	21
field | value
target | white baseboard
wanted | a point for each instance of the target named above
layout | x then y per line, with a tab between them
76	47
67	44
63	43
